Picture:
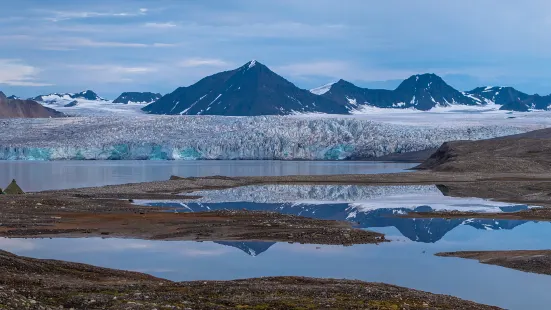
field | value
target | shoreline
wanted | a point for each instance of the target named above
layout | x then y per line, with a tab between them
28	283
533	261
108	212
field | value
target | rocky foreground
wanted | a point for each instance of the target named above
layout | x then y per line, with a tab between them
27	283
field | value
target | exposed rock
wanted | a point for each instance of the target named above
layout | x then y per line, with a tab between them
16	108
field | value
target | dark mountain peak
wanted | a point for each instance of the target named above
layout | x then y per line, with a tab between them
419	81
137	97
253	66
2	96
252	89
87	94
509	98
344	83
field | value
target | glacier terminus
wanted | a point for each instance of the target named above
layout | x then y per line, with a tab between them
216	137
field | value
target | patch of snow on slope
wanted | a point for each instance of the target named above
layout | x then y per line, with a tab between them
352	101
322	89
472	97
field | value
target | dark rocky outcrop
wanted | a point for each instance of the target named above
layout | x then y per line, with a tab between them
137	97
71	104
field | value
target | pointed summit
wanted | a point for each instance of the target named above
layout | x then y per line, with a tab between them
426	91
252	89
13	189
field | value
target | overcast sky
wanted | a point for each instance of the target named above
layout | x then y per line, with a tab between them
158	45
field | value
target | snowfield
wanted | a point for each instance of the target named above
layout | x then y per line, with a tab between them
319	137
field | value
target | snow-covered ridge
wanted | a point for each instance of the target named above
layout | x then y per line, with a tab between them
322	89
220	137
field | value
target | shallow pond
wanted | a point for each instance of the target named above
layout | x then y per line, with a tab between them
406	261
364	206
401	262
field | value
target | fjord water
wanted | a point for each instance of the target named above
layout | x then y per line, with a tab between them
49	175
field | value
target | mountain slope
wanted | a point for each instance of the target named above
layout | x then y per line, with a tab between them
137	97
68	97
252	89
16	108
510	99
421	92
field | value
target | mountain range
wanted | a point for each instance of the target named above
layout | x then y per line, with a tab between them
253	89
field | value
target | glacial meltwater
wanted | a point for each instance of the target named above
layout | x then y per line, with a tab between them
400	262
408	260
50	175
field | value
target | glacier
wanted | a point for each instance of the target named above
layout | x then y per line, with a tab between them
149	137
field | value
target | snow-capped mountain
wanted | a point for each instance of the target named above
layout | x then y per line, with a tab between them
510	99
137	98
421	92
252	89
68	99
17	108
13	97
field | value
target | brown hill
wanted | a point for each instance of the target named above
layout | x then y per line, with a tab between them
525	153
16	108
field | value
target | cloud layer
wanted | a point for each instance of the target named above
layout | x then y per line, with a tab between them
158	46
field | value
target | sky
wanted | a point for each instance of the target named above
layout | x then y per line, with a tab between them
159	45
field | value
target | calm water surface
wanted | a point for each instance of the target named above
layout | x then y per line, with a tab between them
406	261
36	176
401	262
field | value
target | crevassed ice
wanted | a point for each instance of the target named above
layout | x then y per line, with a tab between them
214	137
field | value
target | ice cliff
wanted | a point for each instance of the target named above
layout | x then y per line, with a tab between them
214	137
